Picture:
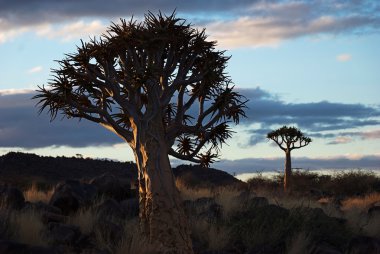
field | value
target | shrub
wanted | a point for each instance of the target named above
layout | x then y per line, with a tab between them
354	182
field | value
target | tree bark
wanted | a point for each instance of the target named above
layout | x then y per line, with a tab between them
162	218
288	170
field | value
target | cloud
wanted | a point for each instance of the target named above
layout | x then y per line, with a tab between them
344	57
75	30
20	125
348	136
14	91
35	69
312	118
370	135
340	140
370	162
245	24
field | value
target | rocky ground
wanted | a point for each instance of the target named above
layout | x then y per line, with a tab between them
98	215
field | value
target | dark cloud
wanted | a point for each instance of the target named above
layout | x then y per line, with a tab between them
20	125
39	11
253	23
271	112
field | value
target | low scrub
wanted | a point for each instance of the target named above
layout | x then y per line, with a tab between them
226	219
345	183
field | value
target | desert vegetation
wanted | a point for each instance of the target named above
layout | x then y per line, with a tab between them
320	214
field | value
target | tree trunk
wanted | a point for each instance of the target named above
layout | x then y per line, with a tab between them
162	219
288	170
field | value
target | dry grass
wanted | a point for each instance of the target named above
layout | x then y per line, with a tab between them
27	228
373	227
355	211
134	242
361	202
192	194
216	237
84	219
33	194
226	197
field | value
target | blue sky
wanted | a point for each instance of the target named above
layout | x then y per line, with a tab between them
312	64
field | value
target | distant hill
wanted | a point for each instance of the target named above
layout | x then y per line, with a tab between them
197	177
21	169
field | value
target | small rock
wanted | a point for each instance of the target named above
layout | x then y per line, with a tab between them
11	198
62	234
70	195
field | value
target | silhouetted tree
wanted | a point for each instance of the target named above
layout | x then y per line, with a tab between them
288	138
142	81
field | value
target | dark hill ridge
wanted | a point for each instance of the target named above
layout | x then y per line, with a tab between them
21	169
197	177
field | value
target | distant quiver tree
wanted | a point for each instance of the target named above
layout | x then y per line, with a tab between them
142	81
288	139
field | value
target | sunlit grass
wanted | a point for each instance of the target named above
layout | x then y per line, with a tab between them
34	194
361	202
191	193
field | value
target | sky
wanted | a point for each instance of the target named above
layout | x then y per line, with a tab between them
310	64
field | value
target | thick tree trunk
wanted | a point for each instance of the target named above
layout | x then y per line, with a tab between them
288	170
162	218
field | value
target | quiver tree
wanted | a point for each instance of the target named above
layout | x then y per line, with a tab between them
160	86
288	139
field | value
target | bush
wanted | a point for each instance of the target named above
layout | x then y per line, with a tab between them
354	182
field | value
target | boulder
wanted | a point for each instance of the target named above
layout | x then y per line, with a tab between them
374	211
244	196
324	248
95	251
48	213
41	207
5	226
110	186
48	217
363	244
62	234
10	247
11	198
70	195
204	208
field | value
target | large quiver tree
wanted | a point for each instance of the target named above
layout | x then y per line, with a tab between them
160	86
288	139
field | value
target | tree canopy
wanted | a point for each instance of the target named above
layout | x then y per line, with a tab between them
138	71
289	138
